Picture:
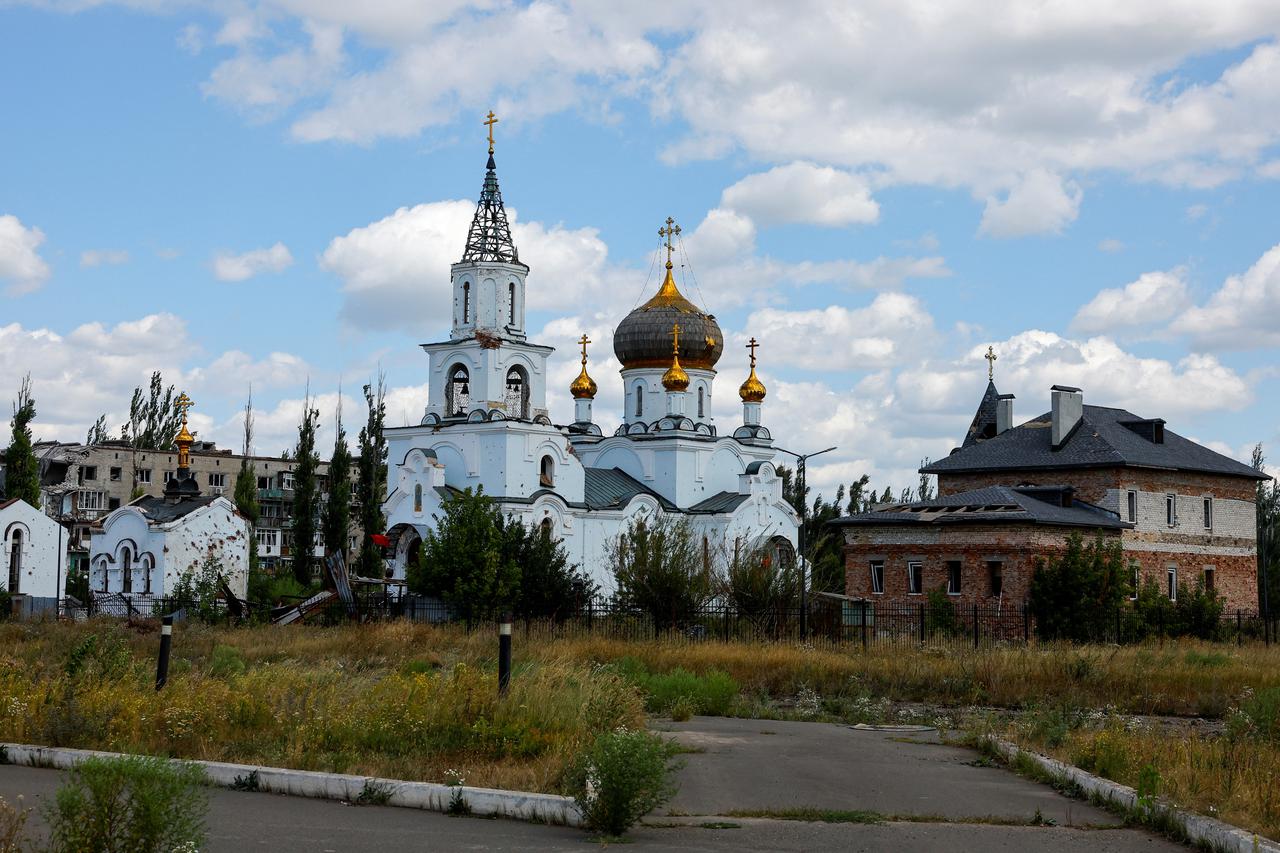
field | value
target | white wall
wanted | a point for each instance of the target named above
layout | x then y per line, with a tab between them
43	544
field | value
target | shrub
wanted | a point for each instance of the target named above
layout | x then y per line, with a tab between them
1075	596
711	693
12	826
941	616
659	567
226	661
199	590
6	603
136	804
621	777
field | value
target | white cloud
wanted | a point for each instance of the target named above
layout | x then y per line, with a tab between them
1242	313
103	257
234	372
1196	211
267	84
1154	298
1110	245
1040	203
803	192
232	267
20	263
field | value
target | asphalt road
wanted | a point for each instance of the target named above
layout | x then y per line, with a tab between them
743	765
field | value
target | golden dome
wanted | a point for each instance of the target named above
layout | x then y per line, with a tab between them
752	391
675	379
584	387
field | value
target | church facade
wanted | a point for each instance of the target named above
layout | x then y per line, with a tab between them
486	423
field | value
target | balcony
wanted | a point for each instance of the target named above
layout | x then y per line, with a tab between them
275	494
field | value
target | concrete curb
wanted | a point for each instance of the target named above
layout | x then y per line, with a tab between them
1201	830
432	796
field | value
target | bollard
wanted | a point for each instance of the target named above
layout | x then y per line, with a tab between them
166	641
504	655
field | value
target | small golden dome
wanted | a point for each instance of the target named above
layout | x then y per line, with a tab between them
584	387
675	379
752	391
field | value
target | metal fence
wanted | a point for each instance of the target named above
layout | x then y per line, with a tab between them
825	621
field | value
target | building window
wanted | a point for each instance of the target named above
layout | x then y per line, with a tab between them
1209	574
545	527
106	577
126	571
113	503
1171	573
144	475
915	578
15	563
639	399
995	578
88	472
547	472
701	402
953	577
877	577
458	391
1208	513
217	481
1171	510
168	475
116	473
93	500
1135	580
417	497
268	539
264	482
466	302
1132	498
511	308
286	480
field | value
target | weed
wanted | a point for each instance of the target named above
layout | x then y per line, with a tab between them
621	777
247	782
13	821
227	661
458	805
683	709
374	794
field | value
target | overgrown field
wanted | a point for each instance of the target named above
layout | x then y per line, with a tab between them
412	701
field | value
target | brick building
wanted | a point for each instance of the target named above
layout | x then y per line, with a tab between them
1182	512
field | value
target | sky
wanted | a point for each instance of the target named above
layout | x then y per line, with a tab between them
266	195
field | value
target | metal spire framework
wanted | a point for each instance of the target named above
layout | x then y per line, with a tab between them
490	236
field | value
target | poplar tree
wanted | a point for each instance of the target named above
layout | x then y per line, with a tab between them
336	522
22	471
371	484
304	494
247	485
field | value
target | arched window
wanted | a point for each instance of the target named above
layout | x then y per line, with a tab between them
126	571
547	472
466	302
417	497
545	527
511	306
146	573
457	391
15	563
639	399
517	393
106	577
701	401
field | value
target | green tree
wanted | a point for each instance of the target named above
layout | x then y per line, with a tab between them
760	582
371	482
22	469
98	432
465	560
1075	595
659	567
153	424
336	515
246	494
1268	522
549	586
305	494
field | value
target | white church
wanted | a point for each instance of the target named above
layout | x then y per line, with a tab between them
486	422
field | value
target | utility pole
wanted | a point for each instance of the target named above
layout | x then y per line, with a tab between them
801	467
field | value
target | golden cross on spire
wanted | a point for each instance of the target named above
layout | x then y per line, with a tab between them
752	346
492	120
672	230
991	363
584	341
675	339
182	404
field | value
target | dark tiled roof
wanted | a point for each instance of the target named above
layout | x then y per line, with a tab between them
161	511
992	505
1102	439
720	503
613	488
984	420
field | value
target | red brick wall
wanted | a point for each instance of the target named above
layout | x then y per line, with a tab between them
1234	577
1091	484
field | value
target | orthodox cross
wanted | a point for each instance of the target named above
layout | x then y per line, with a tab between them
584	341
182	404
752	346
491	122
675	337
991	363
672	230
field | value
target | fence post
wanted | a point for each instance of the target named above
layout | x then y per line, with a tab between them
166	642
922	628
975	624
864	624
504	654
1239	627
1026	622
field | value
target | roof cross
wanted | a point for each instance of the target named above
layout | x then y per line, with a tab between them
752	346
182	404
584	341
492	120
672	230
991	363
675	339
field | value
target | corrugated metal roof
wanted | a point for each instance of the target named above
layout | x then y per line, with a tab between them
720	503
613	488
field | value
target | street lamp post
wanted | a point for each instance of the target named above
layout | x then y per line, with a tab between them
801	465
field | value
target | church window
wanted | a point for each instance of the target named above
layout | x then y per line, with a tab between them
877	577
511	304
417	497
458	391
547	472
106	577
517	402
126	571
146	574
639	399
15	562
545	527
466	302
701	393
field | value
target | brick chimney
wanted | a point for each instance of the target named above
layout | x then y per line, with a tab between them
1004	413
1068	407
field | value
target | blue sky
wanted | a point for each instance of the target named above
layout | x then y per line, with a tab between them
270	193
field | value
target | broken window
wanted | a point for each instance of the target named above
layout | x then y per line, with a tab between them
1209	574
995	578
1171	575
877	577
953	577
915	578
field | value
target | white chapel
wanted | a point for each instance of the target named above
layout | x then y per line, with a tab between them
486	421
